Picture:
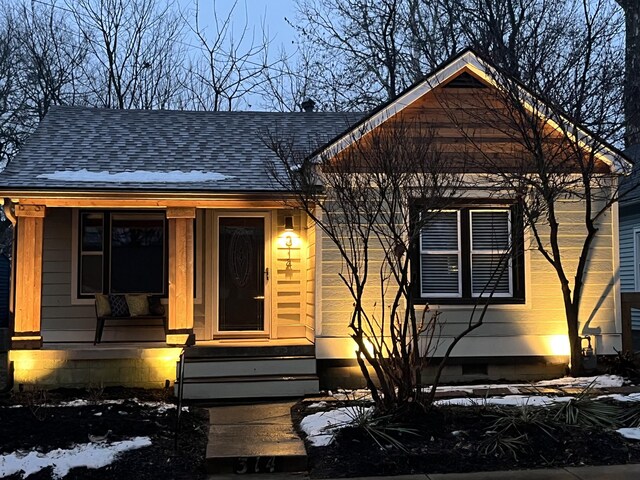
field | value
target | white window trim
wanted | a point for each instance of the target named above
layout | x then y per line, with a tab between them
472	251
457	252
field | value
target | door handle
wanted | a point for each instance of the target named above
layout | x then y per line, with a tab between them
266	272
259	297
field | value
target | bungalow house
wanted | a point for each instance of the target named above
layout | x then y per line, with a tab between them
179	205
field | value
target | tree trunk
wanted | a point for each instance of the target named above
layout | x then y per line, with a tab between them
575	344
632	71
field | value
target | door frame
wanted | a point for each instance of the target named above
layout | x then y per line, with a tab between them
266	216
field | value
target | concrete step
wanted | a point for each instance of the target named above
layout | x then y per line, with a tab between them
254	439
233	366
223	351
265	386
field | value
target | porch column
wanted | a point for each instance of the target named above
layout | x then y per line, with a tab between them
180	319
28	286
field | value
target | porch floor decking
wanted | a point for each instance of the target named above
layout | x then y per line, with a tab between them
222	342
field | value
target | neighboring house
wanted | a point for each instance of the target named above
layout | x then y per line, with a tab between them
630	240
180	205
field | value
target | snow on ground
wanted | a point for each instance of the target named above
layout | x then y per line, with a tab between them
321	426
90	455
631	397
82	402
599	381
630	433
507	400
138	176
513	387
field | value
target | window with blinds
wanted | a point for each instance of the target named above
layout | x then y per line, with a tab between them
466	253
490	260
440	255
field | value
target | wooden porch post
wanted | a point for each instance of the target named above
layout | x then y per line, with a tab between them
180	319
28	287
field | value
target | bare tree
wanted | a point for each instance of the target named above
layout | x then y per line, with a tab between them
553	157
368	51
52	56
13	114
225	68
135	52
507	32
373	200
362	50
287	86
632	71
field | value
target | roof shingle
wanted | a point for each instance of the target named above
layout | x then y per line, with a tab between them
222	151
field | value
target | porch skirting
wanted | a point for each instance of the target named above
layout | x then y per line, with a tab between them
345	373
91	367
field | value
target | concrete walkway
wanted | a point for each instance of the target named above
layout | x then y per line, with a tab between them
610	472
254	439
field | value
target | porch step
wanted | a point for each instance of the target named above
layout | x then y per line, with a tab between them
265	386
253	351
239	372
232	367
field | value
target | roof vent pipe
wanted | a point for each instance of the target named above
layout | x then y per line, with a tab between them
308	105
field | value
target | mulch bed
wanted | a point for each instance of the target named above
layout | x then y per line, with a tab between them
451	439
42	425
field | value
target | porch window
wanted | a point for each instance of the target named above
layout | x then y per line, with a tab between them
122	253
469	252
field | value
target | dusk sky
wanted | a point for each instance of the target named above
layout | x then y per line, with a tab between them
272	11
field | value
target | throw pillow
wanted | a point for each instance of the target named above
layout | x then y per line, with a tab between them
103	309
119	306
138	305
155	306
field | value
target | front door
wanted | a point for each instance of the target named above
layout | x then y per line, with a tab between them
242	275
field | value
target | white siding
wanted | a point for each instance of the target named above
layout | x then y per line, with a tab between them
527	328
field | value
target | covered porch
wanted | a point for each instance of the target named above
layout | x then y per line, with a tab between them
239	273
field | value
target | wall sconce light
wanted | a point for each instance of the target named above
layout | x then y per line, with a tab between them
288	227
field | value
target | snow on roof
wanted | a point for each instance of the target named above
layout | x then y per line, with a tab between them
137	176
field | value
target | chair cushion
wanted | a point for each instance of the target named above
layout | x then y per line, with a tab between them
103	308
138	304
119	306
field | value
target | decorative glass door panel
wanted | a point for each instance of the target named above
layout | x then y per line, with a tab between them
241	274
